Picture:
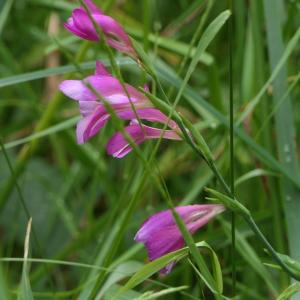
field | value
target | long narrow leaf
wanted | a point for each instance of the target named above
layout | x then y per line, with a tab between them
148	270
284	123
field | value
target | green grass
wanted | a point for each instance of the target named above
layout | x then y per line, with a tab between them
87	206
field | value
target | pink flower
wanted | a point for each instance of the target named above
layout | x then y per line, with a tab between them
81	25
118	146
93	110
161	235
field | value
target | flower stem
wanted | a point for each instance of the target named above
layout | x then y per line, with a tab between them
231	124
200	147
247	217
251	223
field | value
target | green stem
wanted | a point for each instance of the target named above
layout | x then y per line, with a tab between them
117	240
250	221
202	149
269	247
195	38
247	217
231	124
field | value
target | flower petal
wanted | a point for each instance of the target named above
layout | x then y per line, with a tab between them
149	114
156	133
154	223
116	36
165	218
91	124
77	90
111	89
118	146
88	107
100	69
161	235
106	86
69	25
164	241
199	218
82	25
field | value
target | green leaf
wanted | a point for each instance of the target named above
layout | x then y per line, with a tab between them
169	44
217	271
199	260
290	291
285	131
128	295
4	293
208	35
25	77
151	268
253	174
292	263
228	202
246	250
120	272
46	132
155	295
25	292
63	5
4	13
147	63
199	104
276	70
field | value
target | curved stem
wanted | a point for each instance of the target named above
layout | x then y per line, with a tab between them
186	126
269	247
250	221
248	218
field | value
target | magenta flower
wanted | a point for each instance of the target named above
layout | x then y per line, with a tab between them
93	110
80	24
161	235
118	146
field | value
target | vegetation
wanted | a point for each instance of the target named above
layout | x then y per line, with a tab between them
226	72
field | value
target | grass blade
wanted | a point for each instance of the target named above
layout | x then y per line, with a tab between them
25	288
5	9
151	268
277	69
50	130
199	104
284	124
290	291
25	77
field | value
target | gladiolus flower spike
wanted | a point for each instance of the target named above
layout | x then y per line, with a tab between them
80	24
88	91
161	235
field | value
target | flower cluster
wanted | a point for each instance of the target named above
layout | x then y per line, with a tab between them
100	93
130	104
89	22
126	101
